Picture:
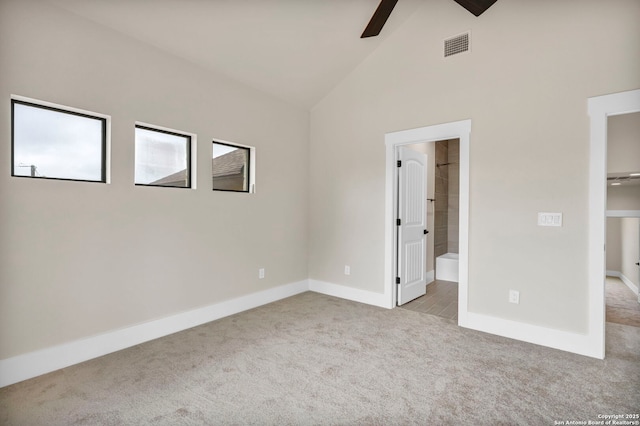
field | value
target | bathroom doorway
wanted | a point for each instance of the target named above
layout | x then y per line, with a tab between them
442	219
426	139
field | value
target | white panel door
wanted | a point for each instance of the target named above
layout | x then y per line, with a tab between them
412	226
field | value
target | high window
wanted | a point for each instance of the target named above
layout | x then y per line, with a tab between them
53	142
231	167
163	158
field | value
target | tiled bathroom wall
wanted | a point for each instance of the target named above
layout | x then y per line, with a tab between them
447	194
441	223
454	195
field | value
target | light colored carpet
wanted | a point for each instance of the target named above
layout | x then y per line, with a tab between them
622	303
315	359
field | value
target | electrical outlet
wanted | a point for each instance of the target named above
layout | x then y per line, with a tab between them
347	270
261	273
514	296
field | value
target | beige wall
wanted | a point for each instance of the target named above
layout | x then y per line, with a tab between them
623	156
614	244
78	259
623	143
623	197
630	239
525	87
623	247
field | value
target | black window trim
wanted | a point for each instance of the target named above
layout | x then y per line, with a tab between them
103	152
248	149
174	133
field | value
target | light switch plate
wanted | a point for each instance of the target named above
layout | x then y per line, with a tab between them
514	296
549	219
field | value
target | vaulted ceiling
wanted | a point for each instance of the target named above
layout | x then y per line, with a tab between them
296	50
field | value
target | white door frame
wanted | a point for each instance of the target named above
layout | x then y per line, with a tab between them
600	108
456	130
623	213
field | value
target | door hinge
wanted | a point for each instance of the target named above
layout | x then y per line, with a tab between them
397	280
398	222
399	163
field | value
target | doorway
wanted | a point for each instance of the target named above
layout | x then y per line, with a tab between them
600	109
456	130
623	220
623	269
440	200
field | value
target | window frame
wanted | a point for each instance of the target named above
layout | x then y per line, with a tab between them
250	166
190	150
105	121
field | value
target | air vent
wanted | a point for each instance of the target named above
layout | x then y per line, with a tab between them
456	44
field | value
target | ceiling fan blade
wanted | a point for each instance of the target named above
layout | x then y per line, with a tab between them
477	7
379	18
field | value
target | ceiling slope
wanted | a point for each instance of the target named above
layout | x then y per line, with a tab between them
294	50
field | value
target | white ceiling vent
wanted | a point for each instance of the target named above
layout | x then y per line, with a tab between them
457	44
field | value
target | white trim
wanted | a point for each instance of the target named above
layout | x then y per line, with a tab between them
623	213
456	130
26	366
107	118
624	279
349	293
629	283
600	108
431	276
582	344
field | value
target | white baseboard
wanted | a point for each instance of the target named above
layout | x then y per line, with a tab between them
350	293
431	276
33	364
629	283
624	279
582	344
